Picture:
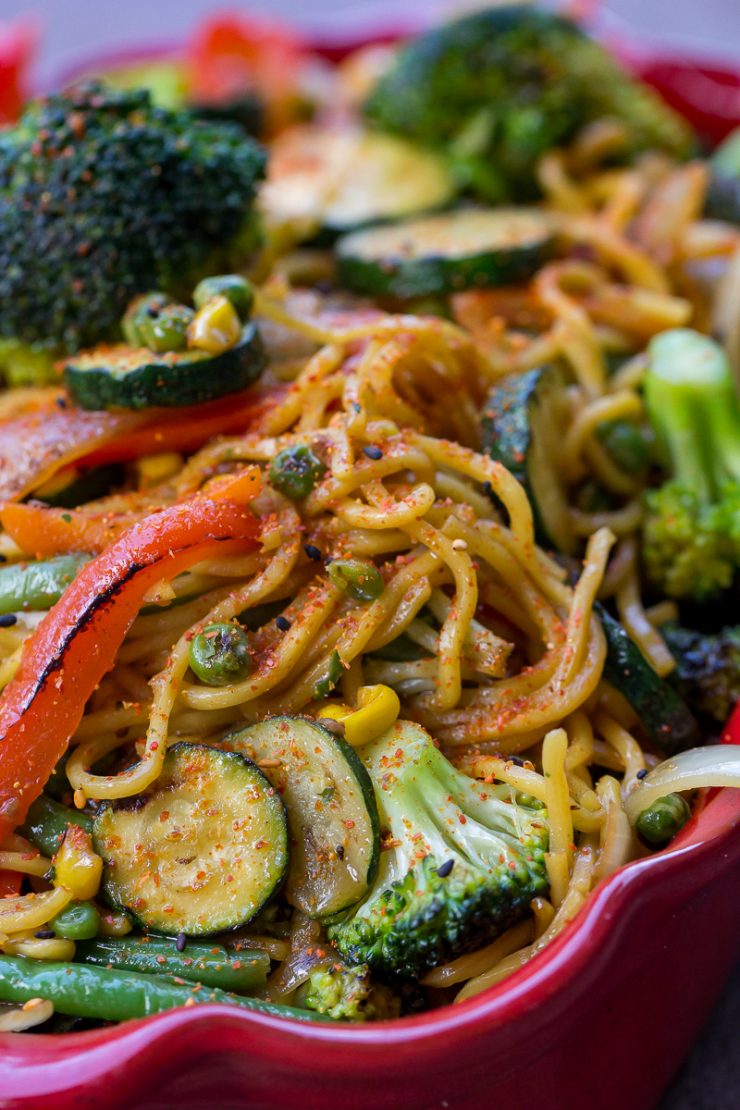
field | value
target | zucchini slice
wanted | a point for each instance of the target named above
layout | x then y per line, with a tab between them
201	851
522	428
344	178
445	253
117	376
664	715
332	813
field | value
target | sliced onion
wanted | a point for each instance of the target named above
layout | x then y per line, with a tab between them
15	1019
716	765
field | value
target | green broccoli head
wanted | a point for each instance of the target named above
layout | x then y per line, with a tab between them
707	669
103	196
691	530
495	90
347	993
462	862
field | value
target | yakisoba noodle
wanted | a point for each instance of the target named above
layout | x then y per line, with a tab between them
506	670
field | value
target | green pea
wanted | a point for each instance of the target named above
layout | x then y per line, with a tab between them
77	921
234	287
220	654
359	579
295	471
141	309
167	330
660	822
626	445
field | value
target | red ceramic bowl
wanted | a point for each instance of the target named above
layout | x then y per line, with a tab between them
603	1017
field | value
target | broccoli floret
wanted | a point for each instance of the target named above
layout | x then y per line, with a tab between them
103	196
707	668
496	89
691	530
461	862
347	993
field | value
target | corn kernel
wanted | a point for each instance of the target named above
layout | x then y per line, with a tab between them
77	868
378	708
216	327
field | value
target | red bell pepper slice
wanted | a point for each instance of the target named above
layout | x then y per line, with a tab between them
17	44
34	446
232	54
77	642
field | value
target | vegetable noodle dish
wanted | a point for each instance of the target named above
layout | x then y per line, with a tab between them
370	508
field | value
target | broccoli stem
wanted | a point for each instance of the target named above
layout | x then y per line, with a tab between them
693	407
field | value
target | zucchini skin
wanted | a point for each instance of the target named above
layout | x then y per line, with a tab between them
292	748
405	279
166	380
508	436
444	253
124	892
663	713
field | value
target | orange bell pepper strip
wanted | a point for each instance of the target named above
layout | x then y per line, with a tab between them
43	532
77	642
35	445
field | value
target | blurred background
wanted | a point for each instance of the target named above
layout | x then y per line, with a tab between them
73	29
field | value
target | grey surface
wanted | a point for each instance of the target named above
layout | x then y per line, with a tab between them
710	1077
73	29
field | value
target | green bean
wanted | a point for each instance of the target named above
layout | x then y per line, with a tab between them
47	822
359	579
141	308
84	990
295	472
37	586
167	330
660	822
77	921
234	287
210	964
334	672
220	654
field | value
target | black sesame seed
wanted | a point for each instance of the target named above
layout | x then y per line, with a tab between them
3	558
61	403
7	620
516	760
641	774
181	941
283	623
313	552
444	868
340	851
372	452
45	934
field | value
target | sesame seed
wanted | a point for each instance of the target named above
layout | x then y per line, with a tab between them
8	620
641	774
444	869
459	545
372	452
181	941
313	552
282	623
